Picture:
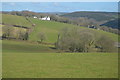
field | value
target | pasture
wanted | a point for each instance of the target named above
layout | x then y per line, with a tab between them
60	65
16	20
24	47
27	60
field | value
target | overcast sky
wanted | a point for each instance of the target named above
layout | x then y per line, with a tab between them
60	6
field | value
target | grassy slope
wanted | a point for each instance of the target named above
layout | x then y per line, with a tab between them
113	36
15	20
57	65
50	28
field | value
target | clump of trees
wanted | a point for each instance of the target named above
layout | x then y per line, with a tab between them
9	32
82	40
22	35
75	40
105	44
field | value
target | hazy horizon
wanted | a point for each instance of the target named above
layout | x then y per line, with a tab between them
60	6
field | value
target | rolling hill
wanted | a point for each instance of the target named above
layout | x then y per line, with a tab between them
98	16
50	28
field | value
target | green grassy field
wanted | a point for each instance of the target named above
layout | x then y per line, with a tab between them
24	46
28	60
50	28
16	20
60	65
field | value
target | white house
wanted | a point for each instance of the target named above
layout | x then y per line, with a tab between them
48	18
34	17
45	18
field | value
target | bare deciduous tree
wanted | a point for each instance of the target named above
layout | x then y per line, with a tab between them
75	40
105	44
42	36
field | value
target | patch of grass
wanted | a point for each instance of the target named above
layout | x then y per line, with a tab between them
111	35
24	46
60	65
15	20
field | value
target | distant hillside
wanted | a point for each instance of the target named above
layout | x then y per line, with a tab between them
112	24
25	13
99	16
55	13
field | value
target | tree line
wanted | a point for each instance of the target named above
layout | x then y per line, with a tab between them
71	39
